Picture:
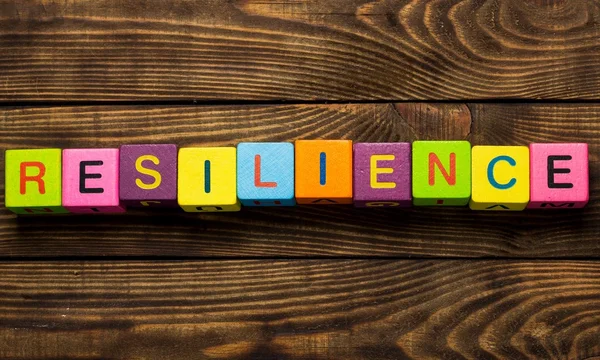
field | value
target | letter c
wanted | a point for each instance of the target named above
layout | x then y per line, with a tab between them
490	172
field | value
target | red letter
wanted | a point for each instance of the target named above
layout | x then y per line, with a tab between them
38	178
434	160
257	181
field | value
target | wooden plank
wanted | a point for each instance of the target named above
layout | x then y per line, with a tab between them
302	309
301	49
305	231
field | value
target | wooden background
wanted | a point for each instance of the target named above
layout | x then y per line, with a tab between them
329	282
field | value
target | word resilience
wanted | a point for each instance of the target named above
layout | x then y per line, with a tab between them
541	176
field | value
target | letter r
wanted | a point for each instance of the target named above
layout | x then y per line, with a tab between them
37	178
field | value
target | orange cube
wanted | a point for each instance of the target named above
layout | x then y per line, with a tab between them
323	171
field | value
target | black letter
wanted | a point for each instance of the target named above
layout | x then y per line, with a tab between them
329	201
83	176
201	208
552	171
554	205
493	206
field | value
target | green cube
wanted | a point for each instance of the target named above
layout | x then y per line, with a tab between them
441	173
33	181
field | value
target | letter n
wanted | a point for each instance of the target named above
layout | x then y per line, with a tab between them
434	161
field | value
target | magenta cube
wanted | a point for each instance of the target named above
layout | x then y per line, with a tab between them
149	175
559	176
90	180
382	174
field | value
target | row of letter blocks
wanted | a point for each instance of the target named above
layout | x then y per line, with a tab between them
426	173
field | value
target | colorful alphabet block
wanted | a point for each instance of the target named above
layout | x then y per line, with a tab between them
382	174
265	174
559	176
441	173
33	181
207	179
148	175
90	181
323	171
500	178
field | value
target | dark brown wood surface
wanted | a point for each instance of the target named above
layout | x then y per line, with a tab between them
322	282
313	231
300	309
299	49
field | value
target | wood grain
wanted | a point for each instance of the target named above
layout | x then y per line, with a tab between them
298	50
302	309
305	231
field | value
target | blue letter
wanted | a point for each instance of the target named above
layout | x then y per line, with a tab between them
323	168
490	172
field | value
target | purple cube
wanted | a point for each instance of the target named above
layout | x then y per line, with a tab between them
382	174
148	175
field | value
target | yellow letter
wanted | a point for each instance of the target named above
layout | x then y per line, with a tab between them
150	172
376	171
147	203
382	203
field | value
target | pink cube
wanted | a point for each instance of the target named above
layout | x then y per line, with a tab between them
90	180
382	175
559	176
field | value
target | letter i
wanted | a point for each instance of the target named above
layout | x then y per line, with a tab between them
323	168
207	176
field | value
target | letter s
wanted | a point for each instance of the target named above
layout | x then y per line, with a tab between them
150	172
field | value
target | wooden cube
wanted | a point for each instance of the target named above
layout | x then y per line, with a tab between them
382	174
148	175
33	181
91	181
559	176
207	179
265	174
323	171
441	173
500	178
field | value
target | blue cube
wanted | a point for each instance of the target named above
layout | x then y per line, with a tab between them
265	174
